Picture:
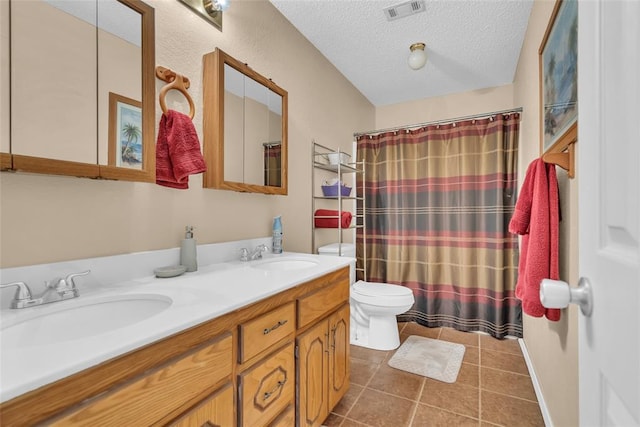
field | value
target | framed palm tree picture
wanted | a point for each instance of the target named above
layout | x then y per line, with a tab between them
125	132
558	56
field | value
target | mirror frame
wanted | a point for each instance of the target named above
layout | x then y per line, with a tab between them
213	126
42	165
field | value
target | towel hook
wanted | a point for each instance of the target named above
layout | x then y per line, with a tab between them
176	81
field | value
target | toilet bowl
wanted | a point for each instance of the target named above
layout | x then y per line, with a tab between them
374	307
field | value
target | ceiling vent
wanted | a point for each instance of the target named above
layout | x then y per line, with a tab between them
404	9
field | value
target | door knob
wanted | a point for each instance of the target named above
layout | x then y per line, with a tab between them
558	294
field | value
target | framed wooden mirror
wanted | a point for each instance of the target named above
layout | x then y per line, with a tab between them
82	85
245	128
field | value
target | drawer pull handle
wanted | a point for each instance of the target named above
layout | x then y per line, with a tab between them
268	394
274	327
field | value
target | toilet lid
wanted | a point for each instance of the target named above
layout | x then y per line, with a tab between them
380	289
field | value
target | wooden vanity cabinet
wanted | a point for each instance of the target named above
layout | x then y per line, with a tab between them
277	362
214	411
323	367
165	389
287	418
267	389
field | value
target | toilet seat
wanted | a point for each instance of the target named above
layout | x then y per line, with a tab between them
381	293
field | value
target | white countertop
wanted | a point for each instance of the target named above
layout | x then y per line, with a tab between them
196	297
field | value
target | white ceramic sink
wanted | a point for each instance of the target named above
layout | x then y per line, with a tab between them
76	319
285	264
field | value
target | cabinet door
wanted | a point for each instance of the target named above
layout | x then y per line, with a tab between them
339	365
313	375
267	388
215	411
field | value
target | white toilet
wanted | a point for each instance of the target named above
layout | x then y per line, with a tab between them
374	307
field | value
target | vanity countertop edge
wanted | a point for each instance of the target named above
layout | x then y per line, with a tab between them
213	291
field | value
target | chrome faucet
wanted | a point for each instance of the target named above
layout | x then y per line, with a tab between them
56	290
23	297
245	255
257	252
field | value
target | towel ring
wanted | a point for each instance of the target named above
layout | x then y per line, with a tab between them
178	82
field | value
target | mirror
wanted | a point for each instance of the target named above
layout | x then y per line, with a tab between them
245	128
82	88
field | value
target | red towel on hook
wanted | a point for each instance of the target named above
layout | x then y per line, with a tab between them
177	151
326	218
536	217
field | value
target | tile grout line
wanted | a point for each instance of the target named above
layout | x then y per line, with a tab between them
480	382
449	411
354	402
415	408
362	391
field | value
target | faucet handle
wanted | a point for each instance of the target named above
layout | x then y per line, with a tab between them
244	254
23	292
66	287
69	279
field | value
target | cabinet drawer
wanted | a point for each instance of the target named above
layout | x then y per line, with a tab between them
262	332
266	389
215	410
147	399
285	419
315	305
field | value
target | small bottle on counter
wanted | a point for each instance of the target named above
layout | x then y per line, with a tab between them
188	254
276	246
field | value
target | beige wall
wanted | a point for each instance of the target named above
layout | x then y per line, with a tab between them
552	346
446	107
4	76
50	218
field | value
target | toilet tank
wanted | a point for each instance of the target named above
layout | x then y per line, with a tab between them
348	249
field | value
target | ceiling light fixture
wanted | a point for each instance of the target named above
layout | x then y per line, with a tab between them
417	57
212	7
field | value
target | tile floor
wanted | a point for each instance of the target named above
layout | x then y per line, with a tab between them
493	387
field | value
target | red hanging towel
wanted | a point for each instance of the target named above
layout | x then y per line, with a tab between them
326	218
177	151
536	218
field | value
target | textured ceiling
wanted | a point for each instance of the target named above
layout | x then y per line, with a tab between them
471	44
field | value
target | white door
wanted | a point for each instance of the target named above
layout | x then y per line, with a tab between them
609	193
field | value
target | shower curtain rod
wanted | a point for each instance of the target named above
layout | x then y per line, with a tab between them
437	122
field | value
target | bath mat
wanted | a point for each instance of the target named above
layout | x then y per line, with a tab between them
440	360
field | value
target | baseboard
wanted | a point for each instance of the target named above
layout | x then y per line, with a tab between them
536	385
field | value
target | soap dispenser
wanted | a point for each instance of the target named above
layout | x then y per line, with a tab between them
188	255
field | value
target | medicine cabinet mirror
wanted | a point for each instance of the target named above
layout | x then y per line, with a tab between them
245	128
81	84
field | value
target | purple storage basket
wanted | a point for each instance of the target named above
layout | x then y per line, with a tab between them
332	190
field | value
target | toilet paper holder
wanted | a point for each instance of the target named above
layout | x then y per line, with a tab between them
558	294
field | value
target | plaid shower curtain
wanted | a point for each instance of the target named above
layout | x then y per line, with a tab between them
273	165
439	200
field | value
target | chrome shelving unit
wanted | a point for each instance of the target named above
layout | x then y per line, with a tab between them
320	161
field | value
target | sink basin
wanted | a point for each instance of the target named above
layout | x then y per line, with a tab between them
83	319
285	264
